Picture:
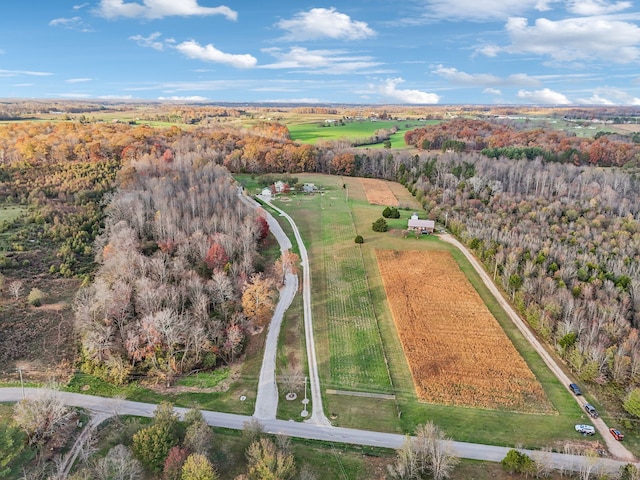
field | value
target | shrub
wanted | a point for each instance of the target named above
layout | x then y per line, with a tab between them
380	225
517	462
35	297
359	239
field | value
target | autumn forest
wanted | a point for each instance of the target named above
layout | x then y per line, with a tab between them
143	230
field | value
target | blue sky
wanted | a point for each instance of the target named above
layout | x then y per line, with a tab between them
560	52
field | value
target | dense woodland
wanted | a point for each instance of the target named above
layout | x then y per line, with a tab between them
512	140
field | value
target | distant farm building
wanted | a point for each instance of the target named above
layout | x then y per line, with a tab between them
266	192
309	188
422	226
280	187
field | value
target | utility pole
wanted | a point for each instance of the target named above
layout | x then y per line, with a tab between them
21	382
305	401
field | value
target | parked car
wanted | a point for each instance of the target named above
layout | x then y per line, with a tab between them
585	429
617	434
591	410
575	389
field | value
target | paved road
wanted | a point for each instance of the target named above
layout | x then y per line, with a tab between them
616	448
317	410
105	407
267	397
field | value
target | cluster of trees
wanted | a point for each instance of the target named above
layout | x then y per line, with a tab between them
427	455
497	139
177	280
391	212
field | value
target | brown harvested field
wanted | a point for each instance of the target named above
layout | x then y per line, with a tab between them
378	192
457	352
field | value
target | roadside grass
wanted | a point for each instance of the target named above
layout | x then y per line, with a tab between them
205	379
292	349
464	424
242	379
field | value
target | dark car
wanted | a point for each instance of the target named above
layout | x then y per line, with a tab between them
617	434
575	389
591	410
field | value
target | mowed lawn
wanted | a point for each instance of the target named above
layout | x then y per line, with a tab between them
324	224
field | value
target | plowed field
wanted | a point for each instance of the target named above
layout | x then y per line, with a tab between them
378	192
457	352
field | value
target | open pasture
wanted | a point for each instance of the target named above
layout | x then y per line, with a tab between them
379	193
457	352
357	357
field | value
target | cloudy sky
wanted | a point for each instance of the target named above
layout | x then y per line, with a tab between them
367	51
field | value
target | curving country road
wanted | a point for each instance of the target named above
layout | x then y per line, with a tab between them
617	449
105	407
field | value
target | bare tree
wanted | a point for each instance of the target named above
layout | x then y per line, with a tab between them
292	377
119	463
40	417
429	451
15	288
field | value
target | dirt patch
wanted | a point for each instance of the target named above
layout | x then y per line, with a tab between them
41	339
378	192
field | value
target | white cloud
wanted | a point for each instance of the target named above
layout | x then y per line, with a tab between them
455	76
74	23
324	23
574	39
192	98
22	85
155	9
544	96
319	61
609	96
78	80
596	7
209	53
151	41
389	90
14	73
486	10
79	7
492	91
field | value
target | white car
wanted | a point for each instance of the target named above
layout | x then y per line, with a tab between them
585	429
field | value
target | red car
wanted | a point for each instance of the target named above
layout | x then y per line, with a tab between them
617	434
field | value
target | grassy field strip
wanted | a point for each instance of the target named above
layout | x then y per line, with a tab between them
357	359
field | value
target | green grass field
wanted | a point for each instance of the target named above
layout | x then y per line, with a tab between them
328	224
9	213
314	132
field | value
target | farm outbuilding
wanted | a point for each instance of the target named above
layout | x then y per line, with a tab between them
422	226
